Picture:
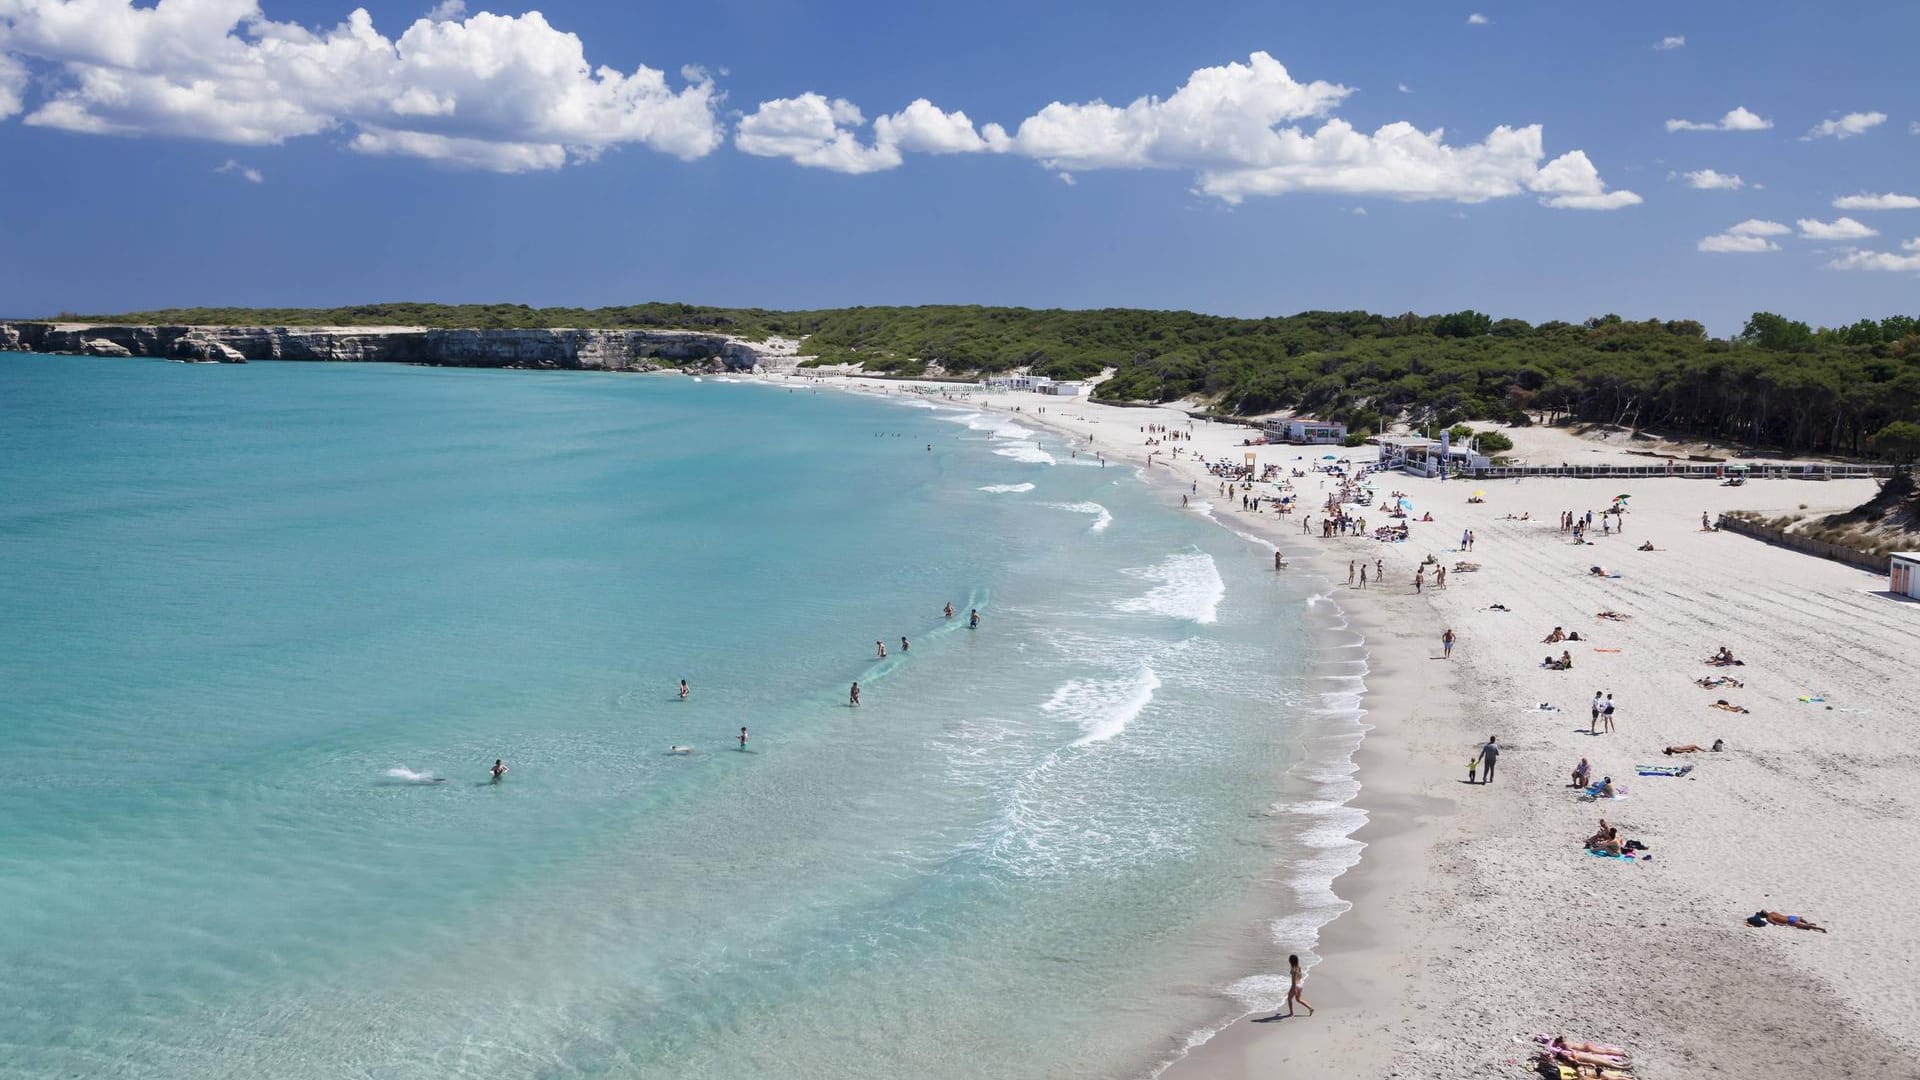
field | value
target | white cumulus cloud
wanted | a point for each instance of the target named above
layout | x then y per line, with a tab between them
1477	19
490	91
247	173
1750	235
1888	201
1885	261
1738	119
1838	229
1672	41
923	128
1847	126
1709	180
813	131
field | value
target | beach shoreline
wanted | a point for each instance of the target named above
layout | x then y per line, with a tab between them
1473	918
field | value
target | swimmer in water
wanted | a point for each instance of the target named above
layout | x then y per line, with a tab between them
903	644
973	618
853	696
949	611
499	770
881	648
683	690
743	738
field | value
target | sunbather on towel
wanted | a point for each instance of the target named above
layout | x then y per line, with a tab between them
1554	638
1561	1042
1798	922
1694	748
1724	706
1606	840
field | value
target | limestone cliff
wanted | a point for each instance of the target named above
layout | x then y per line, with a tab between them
598	350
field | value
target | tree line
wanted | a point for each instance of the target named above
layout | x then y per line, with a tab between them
1779	383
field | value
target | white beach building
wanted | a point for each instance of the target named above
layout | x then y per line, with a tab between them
1903	575
1426	457
1304	431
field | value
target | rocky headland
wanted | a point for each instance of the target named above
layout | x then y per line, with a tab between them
589	350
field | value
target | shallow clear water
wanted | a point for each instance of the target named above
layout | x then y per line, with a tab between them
244	611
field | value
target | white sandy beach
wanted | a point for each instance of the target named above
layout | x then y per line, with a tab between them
1478	918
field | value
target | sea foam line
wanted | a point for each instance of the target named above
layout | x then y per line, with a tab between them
1007	489
1101	516
1103	707
1189	587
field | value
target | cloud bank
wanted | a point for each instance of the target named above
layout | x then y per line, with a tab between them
489	91
1237	127
514	94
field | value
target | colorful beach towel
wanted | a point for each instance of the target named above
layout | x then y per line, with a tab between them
1663	770
1610	855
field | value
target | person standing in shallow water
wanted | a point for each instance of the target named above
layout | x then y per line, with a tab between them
683	690
880	647
1297	981
853	695
499	770
973	618
743	738
949	611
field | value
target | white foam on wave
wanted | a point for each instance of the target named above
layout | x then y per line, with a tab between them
408	776
1027	452
1189	587
1007	489
1101	516
1103	707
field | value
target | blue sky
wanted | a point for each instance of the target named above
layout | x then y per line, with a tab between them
469	161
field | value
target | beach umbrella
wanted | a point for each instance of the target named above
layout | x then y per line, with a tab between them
1479	494
1328	457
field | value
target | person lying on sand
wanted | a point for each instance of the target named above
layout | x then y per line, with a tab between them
1585	1057
1465	567
1714	682
1556	637
1724	658
1694	748
1798	922
1611	614
1648	546
1565	663
1561	1042
1724	706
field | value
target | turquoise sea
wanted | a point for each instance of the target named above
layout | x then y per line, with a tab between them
247	613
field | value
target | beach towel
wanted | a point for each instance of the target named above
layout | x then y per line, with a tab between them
1605	650
1663	770
1610	855
1811	698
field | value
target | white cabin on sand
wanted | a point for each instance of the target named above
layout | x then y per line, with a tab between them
1304	431
1903	575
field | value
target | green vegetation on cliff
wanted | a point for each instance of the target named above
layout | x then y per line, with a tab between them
1779	383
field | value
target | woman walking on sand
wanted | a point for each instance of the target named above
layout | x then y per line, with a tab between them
1297	982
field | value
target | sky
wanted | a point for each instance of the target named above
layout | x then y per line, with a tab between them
1535	160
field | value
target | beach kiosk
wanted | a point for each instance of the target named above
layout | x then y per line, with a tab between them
1903	576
